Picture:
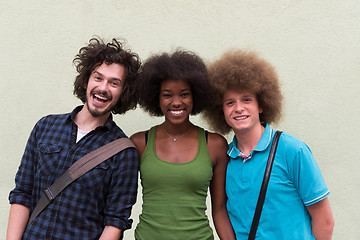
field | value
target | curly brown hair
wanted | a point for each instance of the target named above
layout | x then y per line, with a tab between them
181	64
98	52
239	69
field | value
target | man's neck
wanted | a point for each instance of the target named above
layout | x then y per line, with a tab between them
247	140
87	122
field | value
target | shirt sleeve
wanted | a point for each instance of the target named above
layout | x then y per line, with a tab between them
122	190
24	180
307	176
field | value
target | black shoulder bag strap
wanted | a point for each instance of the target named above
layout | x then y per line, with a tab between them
264	186
77	169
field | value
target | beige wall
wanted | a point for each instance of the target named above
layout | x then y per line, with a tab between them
314	45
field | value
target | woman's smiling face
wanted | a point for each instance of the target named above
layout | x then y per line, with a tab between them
175	100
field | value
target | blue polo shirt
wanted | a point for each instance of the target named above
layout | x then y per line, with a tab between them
295	182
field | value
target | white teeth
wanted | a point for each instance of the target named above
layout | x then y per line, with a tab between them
101	98
240	118
177	112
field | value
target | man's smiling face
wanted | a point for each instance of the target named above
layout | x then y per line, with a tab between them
104	88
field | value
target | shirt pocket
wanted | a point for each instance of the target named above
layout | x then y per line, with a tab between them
96	179
49	158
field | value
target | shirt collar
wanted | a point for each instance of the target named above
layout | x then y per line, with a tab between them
262	145
265	139
233	152
71	117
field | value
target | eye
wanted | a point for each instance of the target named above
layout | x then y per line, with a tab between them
115	83
185	94
228	103
97	78
247	100
166	95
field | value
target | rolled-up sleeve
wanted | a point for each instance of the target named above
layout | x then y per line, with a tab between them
122	190
24	179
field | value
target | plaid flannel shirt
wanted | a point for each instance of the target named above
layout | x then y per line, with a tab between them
103	196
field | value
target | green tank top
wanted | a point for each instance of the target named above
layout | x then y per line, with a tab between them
174	195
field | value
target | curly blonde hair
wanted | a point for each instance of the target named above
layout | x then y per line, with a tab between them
239	69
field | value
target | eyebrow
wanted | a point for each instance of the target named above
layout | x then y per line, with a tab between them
116	79
244	96
249	96
182	90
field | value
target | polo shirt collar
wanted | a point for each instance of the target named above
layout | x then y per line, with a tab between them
233	152
262	145
265	139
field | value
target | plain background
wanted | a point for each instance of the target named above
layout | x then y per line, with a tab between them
314	45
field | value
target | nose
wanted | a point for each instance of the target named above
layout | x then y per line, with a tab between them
239	107
103	86
176	101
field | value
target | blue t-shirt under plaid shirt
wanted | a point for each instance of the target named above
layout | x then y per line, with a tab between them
103	196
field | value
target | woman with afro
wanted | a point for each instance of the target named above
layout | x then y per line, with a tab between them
179	160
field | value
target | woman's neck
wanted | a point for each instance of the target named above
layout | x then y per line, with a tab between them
177	129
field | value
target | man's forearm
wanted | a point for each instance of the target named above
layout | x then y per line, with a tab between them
322	220
110	233
18	218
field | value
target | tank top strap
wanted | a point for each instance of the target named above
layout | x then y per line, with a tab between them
202	139
151	139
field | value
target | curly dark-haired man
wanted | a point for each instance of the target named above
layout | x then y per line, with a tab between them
98	204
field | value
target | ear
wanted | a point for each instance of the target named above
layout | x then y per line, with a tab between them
260	110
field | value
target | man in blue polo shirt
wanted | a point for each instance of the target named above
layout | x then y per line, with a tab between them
247	99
